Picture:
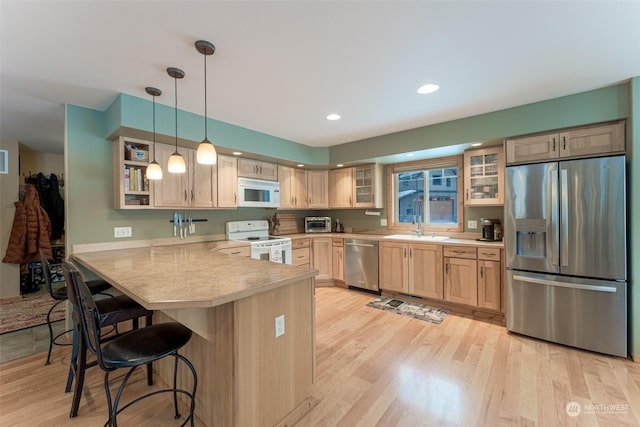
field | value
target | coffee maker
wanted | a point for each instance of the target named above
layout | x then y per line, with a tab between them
491	230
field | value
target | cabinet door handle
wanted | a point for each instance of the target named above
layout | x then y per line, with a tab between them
405	252
410	252
488	254
235	198
350	200
564	142
481	272
192	196
554	144
446	268
185	195
260	169
295	200
467	194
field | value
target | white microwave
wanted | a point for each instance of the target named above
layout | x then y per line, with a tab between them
258	193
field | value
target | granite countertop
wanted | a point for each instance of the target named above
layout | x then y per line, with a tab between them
187	275
410	238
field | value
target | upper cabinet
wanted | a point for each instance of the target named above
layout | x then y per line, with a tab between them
293	187
250	168
227	181
196	188
132	190
356	187
484	177
340	183
579	142
318	189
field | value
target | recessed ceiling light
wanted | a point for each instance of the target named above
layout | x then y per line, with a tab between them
428	88
237	153
340	165
300	165
476	144
333	116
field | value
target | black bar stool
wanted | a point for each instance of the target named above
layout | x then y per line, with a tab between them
112	311
59	293
130	349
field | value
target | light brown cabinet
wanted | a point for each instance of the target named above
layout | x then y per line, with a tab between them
300	251
460	275
356	187
489	278
318	189
196	188
132	190
293	187
250	168
338	259
578	142
227	181
411	268
484	177
322	257
340	188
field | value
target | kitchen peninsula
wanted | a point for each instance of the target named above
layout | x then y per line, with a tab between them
247	376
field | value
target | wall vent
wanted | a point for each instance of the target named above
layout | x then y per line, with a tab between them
4	161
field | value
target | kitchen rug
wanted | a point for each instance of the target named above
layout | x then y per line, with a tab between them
410	309
27	312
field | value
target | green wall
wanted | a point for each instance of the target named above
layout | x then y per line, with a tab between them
91	216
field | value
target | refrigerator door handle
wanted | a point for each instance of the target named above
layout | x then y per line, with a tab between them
564	219
552	212
610	289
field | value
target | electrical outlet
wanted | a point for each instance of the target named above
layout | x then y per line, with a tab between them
472	224
119	232
383	222
280	325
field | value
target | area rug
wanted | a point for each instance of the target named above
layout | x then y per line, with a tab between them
410	309
28	312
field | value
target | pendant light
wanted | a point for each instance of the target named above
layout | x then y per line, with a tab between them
176	162
154	170
206	153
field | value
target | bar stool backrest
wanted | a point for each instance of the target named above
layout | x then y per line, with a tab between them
83	302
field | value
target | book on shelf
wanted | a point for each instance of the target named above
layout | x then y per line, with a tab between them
127	180
140	179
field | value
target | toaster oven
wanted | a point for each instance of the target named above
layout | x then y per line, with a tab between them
317	224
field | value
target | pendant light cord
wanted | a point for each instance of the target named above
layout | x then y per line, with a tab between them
175	81
154	128
205	97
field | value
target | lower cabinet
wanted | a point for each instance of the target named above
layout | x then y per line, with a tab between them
461	281
301	251
338	259
414	269
489	279
322	257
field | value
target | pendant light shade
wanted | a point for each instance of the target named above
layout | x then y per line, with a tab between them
206	153
176	162
154	170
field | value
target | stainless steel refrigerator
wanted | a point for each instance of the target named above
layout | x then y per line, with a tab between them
565	242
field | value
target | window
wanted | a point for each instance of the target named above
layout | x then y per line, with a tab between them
427	191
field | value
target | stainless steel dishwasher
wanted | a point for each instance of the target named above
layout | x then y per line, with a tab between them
361	264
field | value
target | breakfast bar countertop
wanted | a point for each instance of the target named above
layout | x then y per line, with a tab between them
186	276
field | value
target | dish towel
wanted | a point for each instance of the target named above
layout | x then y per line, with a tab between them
276	254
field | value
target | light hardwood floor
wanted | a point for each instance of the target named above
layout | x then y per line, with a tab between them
380	369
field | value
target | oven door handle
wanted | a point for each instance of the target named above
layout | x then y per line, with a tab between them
610	289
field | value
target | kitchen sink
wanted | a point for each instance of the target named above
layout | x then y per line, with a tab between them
420	238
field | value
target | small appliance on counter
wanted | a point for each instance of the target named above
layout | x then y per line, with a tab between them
317	224
338	227
491	230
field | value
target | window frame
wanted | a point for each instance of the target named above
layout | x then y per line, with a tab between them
392	196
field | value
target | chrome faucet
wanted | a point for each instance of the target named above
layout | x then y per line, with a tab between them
419	230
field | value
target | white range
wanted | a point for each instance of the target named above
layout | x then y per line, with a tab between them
263	246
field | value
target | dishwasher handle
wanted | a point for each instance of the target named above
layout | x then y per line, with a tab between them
363	245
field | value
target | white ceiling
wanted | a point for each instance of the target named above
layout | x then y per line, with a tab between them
281	67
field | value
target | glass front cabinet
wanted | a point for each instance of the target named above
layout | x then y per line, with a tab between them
484	177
